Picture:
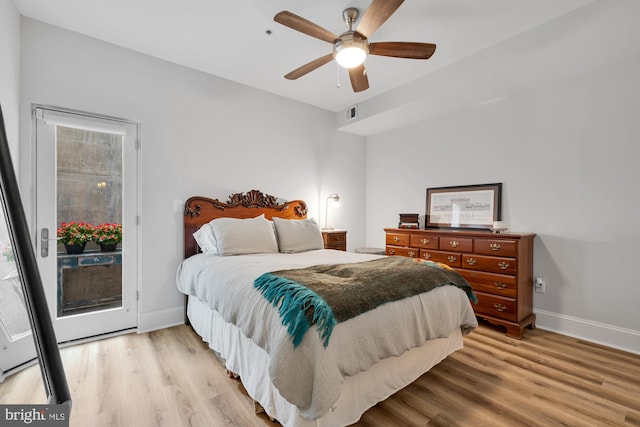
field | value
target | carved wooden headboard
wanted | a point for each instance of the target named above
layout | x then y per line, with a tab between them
200	210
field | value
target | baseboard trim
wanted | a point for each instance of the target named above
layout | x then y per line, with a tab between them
160	319
15	370
588	330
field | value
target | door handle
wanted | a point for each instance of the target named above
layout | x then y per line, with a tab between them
44	242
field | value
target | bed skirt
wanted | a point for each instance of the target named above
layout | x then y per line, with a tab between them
357	394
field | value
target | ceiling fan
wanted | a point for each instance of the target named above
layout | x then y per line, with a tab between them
351	48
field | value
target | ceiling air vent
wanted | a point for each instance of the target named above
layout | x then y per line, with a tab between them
352	113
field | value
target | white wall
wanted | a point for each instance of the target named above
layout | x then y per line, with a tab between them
565	149
201	135
10	72
567	154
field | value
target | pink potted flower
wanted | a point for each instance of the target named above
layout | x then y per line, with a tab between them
107	236
74	236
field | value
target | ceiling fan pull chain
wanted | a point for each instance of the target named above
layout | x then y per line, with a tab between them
337	76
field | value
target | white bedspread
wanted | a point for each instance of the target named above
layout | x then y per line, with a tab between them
309	376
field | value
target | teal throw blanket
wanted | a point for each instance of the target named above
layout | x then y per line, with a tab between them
324	295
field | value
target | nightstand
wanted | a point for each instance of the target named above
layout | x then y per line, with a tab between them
335	239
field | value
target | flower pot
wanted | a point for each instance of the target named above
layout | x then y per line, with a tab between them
74	249
108	247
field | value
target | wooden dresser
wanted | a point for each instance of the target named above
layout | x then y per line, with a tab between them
335	239
499	267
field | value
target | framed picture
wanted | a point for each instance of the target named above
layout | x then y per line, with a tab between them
464	206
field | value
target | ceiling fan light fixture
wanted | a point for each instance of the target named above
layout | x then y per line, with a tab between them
351	50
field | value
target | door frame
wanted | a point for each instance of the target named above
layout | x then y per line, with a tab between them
134	258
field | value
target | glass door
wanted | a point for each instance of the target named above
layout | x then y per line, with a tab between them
86	211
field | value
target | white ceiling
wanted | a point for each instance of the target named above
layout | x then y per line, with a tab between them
229	38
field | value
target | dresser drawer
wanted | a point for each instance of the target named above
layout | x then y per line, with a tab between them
336	238
462	244
490	264
339	246
397	239
398	250
427	242
496	247
497	306
450	258
498	284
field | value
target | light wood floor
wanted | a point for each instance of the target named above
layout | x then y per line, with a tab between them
171	378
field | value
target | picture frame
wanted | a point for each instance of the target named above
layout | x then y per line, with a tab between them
464	206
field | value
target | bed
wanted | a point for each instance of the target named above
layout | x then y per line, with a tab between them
327	373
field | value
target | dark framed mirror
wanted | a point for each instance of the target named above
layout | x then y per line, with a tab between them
27	275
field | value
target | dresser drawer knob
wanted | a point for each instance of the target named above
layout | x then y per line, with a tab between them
452	258
503	265
500	285
494	246
411	254
500	307
425	241
392	252
471	261
454	243
427	255
396	239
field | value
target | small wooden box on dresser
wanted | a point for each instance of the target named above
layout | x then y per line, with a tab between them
335	239
499	267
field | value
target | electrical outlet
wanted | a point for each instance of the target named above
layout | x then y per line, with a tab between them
539	285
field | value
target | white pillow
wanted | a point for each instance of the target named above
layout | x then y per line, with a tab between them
298	235
206	240
244	236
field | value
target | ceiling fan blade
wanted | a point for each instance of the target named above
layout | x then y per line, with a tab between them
309	67
359	79
298	23
376	15
403	49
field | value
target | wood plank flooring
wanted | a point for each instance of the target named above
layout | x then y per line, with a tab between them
171	378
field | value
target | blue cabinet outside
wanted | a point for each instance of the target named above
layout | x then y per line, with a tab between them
89	281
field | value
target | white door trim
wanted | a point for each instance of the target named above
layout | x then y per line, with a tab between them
131	164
